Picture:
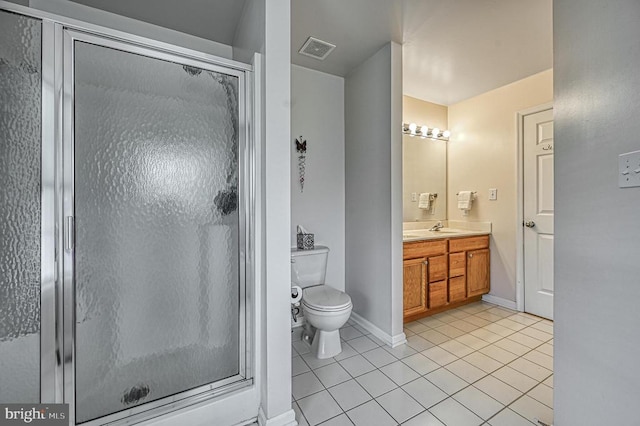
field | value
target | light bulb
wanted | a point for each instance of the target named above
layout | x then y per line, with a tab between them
435	132
413	127
446	134
424	130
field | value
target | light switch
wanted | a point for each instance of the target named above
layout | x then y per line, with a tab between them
493	194
414	196
629	169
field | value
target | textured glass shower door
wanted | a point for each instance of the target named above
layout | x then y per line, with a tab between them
158	273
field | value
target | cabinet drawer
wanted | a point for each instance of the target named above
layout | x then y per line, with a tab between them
424	249
457	289
457	264
468	243
437	294
438	267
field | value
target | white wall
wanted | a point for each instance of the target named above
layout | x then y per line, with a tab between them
597	284
132	26
249	36
482	155
317	113
373	181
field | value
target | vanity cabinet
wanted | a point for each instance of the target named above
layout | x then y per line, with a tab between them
443	274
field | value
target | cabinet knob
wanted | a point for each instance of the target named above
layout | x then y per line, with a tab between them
426	262
470	255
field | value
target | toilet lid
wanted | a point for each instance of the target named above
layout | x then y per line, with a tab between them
325	298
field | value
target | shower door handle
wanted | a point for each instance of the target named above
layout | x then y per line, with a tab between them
69	234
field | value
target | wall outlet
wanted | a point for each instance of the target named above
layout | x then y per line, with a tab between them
414	196
629	169
493	194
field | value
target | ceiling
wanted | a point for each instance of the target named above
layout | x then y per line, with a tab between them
452	49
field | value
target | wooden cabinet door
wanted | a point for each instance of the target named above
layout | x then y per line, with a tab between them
457	289
438	268
437	294
477	272
415	286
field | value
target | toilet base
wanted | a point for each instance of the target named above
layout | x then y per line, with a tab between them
326	344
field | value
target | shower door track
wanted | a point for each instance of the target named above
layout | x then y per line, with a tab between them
57	381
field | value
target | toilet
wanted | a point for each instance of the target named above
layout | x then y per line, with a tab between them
325	308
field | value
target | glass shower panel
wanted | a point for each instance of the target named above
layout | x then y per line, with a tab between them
20	150
157	278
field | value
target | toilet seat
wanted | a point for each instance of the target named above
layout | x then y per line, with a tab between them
325	298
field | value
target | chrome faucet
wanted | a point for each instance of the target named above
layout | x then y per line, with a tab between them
438	226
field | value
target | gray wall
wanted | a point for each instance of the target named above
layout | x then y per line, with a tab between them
597	105
373	185
317	113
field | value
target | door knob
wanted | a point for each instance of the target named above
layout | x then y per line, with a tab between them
529	224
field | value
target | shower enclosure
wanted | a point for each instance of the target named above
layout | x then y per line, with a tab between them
126	180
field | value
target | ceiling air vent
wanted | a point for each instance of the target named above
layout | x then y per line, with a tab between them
317	49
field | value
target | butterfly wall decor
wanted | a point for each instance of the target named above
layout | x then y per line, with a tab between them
301	148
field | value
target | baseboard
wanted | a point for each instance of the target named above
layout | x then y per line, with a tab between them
510	304
288	418
390	340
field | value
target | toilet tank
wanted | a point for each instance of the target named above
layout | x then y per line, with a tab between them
309	267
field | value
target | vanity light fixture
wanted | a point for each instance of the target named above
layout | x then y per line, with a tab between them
413	129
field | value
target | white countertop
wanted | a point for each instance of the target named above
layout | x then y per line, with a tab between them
425	234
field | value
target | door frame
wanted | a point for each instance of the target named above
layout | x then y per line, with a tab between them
520	115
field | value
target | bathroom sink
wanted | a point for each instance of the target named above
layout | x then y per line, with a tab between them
447	231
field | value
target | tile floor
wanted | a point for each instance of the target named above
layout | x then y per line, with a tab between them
476	365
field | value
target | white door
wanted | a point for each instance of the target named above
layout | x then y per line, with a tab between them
538	213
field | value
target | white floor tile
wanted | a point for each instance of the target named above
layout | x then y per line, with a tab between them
464	325
348	333
515	378
472	341
524	319
475	320
363	344
541	359
376	340
498	329
478	402
486	335
419	343
434	337
542	393
370	414
319	407
431	322
332	375
498	354
424	419
466	371
491	317
546	349
531	369
401	351
523	339
549	381
512	325
458	349
400	405
450	331
347	352
507	417
452	413
314	362
512	346
304	385
298	366
483	362
532	410
417	327
379	357
341	420
537	334
458	313
439	355
498	390
349	394
399	373
300	347
421	364
299	416
544	325
376	383
446	380
357	365
425	392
